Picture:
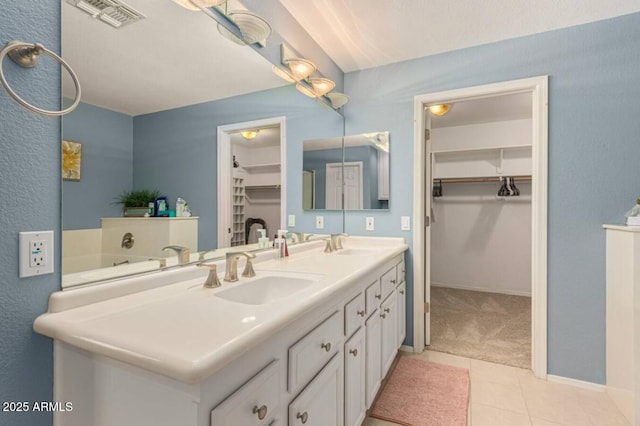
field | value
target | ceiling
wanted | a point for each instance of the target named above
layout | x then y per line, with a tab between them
360	34
486	110
176	57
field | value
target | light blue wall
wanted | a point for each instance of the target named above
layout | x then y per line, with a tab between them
176	151
107	165
30	194
594	157
317	161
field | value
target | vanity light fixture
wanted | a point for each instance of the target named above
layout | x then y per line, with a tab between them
300	68
439	109
337	99
283	74
322	86
254	28
250	134
306	91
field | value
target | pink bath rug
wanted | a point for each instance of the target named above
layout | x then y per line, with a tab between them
422	393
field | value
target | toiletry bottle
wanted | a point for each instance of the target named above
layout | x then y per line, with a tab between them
284	250
263	241
180	203
277	243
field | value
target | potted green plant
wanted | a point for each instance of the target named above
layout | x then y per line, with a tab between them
135	203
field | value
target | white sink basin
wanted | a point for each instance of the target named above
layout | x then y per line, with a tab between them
358	252
263	290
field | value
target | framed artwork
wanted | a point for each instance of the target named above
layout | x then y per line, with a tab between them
71	160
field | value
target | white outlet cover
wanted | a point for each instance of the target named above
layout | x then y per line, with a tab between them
319	222
405	223
369	224
36	253
291	220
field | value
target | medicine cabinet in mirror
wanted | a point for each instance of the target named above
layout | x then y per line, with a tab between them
346	173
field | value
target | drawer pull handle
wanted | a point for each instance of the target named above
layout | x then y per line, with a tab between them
353	352
393	281
361	313
261	412
378	296
326	347
387	310
383	316
401	291
303	417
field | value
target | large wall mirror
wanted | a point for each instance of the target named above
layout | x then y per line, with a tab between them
346	173
155	93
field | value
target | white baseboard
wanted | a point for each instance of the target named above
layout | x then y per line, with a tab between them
577	383
405	348
483	289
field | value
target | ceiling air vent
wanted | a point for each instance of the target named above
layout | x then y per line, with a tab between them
112	12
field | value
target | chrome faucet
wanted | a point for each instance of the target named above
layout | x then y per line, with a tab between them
182	252
231	268
212	279
336	241
300	236
204	253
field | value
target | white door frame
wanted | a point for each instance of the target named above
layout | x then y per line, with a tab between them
225	171
538	87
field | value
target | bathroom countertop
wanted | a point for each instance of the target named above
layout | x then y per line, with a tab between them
185	331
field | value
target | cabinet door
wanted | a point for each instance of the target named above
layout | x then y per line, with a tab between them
255	403
402	311
354	379
321	403
374	368
389	331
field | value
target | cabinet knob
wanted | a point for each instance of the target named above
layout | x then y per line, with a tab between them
393	281
261	412
378	296
383	316
303	417
387	310
361	313
401	291
326	347
353	352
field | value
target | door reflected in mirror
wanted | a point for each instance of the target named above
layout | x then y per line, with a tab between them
346	173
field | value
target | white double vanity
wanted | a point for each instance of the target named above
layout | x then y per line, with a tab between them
306	341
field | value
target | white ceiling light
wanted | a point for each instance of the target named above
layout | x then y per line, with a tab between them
439	109
250	134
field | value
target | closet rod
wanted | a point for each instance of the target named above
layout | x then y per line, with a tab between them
261	187
480	179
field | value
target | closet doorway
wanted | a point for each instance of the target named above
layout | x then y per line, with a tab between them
480	234
251	180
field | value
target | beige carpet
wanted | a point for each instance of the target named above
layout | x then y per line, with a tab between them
422	393
488	326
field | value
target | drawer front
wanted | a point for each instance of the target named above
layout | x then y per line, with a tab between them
255	403
321	403
388	282
354	314
401	272
373	297
309	354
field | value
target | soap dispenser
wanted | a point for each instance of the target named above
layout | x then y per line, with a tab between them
263	241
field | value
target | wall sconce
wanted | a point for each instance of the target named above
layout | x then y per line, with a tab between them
322	86
439	109
250	134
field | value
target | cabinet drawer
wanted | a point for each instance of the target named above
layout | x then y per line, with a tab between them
321	403
255	403
354	314
314	350
401	272
388	282
373	297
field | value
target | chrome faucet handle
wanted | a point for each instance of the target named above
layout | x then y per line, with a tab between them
161	260
337	241
183	253
212	279
231	268
248	267
204	253
328	248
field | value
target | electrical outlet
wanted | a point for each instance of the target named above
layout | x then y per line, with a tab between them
292	220
36	253
319	222
405	223
369	224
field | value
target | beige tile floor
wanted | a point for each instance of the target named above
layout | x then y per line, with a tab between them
509	396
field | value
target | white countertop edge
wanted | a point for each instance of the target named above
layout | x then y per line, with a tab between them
624	228
211	362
